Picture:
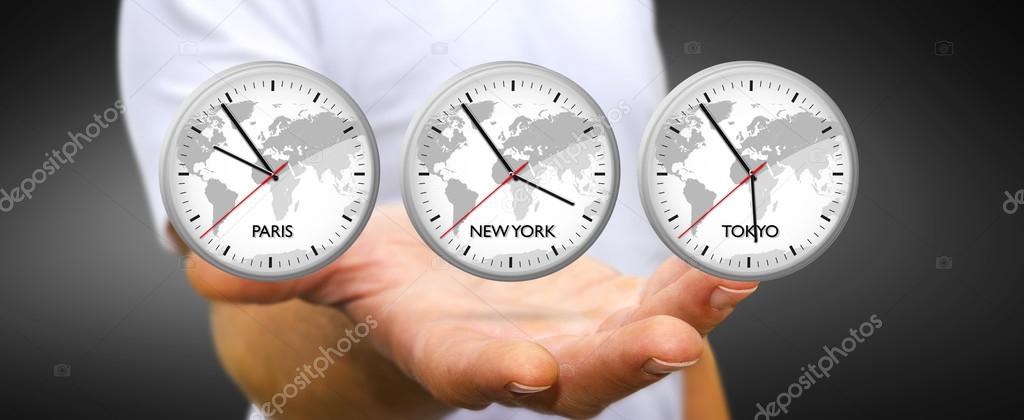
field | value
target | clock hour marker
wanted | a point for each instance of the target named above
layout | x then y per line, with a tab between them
316	97
226	249
826	218
553	249
827	129
707	98
436	216
313	247
348	129
196	129
587	218
469	98
558	95
194	218
228	95
347	219
436	130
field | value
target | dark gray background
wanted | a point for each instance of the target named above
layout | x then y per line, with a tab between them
84	281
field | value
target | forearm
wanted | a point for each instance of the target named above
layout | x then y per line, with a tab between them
704	396
278	356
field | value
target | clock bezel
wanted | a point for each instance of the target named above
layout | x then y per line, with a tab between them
672	105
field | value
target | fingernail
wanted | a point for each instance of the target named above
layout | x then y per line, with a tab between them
725	298
518	388
657	367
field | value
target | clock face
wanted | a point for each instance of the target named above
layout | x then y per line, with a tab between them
749	171
269	171
510	171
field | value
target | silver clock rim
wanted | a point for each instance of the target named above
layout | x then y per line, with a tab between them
179	124
417	124
666	107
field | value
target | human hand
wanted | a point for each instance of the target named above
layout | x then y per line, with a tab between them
570	343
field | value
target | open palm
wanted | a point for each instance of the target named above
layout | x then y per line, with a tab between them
569	343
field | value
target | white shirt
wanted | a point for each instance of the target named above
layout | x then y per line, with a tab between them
390	56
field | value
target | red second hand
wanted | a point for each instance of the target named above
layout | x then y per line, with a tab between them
225	216
510	176
744	181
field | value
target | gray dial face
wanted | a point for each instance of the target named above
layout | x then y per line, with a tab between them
749	171
510	171
269	171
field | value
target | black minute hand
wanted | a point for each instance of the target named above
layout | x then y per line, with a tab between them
487	138
504	162
544	190
753	205
727	142
246	137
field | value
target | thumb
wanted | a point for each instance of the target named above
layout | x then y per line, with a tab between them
700	299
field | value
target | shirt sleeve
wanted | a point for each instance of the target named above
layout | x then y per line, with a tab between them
168	48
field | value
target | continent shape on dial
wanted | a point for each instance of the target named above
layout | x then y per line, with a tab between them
269	171
510	171
749	171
